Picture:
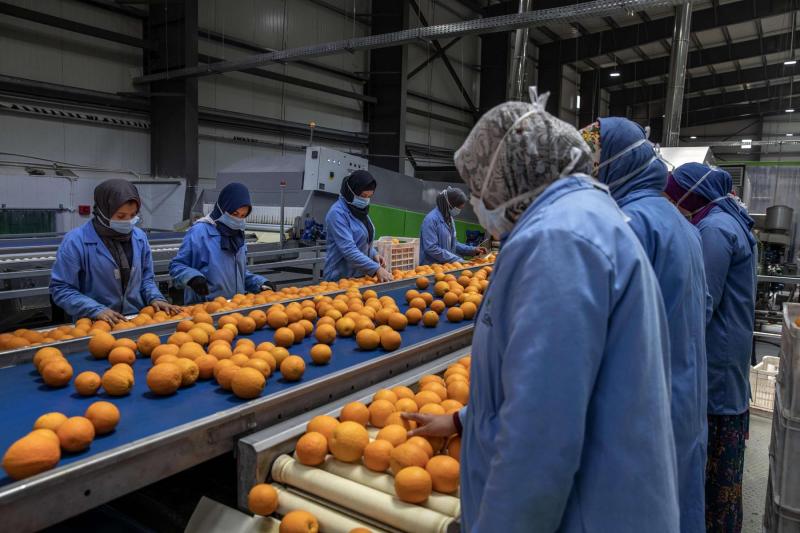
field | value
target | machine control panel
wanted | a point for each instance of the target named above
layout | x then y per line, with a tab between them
326	168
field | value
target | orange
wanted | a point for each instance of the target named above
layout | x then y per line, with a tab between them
312	448
424	397
355	412
407	454
422	443
345	327
122	367
325	333
31	455
382	316
199	335
163	349
299	522
411	294
147	343
430	319
246	349
184	325
222	334
164	379
378	411
87	383
268	358
469	309
121	354
390	340
402	392
284	337
76	434
232	328
125	342
413	484
348	441
191	350
368	339
377	455
450	299
259	364
299	331
259	317
396	419
47	434
369	293
444	471
292	368
323	424
104	416
432	409
417	303
422	283
189	371
262	499
277	319
224	376
398	321
466	362
321	354
117	382
265	347
436	388
396	434
458	391
50	421
385	394
430	378
246	325
220	351
327	321
205	366
45	354
248	383
451	405
239	359
227	319
437	306
57	372
455	314
280	353
100	344
168	358
454	447
202	318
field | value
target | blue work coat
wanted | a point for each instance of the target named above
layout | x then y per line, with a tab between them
437	240
201	254
673	247
730	264
85	278
349	254
568	426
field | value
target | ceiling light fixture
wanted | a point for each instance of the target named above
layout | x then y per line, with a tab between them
615	74
790	110
790	134
790	62
693	137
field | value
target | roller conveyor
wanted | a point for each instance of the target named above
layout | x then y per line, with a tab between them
158	436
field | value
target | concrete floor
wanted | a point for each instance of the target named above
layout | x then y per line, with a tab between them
756	471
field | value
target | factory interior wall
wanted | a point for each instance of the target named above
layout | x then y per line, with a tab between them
393	222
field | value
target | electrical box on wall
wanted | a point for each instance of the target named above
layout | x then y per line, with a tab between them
325	168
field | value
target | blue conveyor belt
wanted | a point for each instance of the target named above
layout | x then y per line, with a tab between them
24	397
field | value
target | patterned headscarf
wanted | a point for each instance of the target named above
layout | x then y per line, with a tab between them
591	134
535	149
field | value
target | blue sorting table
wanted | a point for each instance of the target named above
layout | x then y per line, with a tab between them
25	397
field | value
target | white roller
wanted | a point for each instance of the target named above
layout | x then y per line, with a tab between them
330	521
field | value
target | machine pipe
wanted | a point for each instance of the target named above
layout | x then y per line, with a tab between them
516	84
677	74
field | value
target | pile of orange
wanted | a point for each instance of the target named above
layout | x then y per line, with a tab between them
40	450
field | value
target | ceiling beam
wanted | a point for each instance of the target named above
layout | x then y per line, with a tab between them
651	31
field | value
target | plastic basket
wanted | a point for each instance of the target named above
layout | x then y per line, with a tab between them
784	455
400	253
762	383
789	373
777	520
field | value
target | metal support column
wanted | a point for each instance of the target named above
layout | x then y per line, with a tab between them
172	31
516	84
387	83
495	58
677	74
590	98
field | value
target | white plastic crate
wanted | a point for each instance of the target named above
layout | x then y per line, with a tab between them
400	253
762	383
789	373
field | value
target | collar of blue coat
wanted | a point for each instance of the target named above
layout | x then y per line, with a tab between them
439	215
616	134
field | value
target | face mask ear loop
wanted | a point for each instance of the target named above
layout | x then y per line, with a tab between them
693	187
574	156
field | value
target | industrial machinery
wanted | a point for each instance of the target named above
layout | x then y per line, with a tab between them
159	437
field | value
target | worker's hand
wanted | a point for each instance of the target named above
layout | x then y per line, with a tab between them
431	425
383	275
381	260
480	250
161	305
269	286
110	316
199	284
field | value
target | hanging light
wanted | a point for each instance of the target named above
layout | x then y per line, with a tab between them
790	134
615	74
790	110
790	62
693	137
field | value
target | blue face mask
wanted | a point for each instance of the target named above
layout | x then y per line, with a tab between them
233	222
359	202
124	226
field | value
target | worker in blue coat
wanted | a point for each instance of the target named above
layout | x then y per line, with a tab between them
104	268
729	253
350	232
568	426
636	178
437	238
212	260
